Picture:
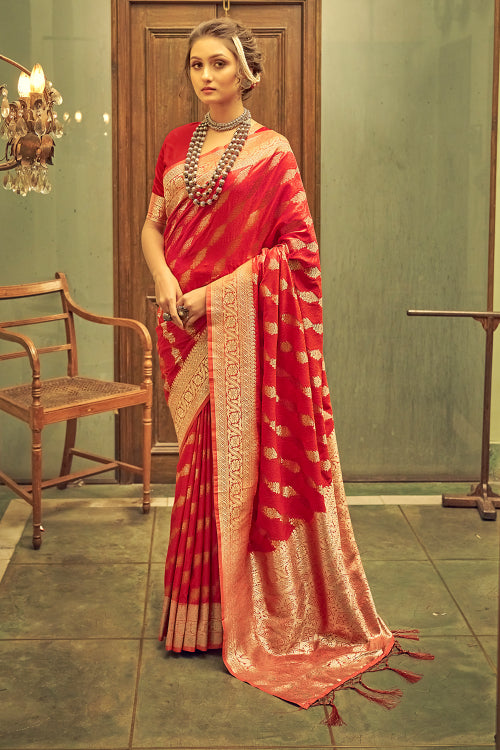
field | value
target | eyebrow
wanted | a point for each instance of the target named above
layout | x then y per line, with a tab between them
212	57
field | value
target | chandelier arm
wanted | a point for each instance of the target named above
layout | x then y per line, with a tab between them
4	166
14	63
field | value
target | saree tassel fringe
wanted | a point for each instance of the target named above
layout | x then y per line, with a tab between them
411	635
406	675
397	649
388	699
333	719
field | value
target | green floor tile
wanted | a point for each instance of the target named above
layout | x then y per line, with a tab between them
67	694
72	601
191	701
412	595
4	504
156	583
453	705
393	538
161	534
475	589
80	535
405	488
155	598
489	644
90	580
453	533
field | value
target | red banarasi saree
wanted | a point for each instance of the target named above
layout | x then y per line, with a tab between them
261	560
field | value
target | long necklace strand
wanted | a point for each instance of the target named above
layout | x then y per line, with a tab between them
205	195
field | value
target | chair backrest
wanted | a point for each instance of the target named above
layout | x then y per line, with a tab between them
56	287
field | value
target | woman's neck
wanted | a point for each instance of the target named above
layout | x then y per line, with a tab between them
226	113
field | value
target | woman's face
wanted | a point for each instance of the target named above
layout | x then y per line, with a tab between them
214	72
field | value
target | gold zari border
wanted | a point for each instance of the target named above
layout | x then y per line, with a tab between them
233	353
190	389
156	209
194	626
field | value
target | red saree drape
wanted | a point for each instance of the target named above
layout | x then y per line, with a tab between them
261	560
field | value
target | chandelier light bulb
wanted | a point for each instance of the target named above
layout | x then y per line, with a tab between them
24	86
37	79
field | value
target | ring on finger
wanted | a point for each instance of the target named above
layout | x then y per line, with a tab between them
183	312
167	317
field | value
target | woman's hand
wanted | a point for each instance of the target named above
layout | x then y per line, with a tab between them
168	293
195	302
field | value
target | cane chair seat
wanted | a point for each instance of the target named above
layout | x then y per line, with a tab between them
77	393
40	402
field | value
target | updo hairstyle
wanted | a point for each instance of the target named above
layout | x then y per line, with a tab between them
226	28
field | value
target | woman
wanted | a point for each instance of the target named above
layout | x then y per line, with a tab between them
261	559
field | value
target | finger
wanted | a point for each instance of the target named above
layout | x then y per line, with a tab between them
191	317
176	319
170	314
162	311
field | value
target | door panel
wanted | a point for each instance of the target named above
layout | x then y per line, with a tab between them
151	96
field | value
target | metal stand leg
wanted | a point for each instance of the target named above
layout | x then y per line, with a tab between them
482	496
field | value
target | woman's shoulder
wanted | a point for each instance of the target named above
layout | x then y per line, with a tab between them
272	137
176	143
180	134
273	145
183	131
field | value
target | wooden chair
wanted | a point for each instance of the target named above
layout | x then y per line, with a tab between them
64	399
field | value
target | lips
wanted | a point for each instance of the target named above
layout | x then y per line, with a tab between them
206	89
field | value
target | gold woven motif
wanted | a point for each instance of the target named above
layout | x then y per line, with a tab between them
190	389
156	210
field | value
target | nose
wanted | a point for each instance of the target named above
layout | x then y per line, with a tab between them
206	73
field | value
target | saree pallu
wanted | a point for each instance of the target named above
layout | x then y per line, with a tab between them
249	397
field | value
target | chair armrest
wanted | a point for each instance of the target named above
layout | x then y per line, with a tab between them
26	343
136	325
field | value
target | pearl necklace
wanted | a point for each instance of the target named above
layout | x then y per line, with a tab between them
207	194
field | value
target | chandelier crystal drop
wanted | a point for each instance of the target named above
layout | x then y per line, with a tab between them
29	124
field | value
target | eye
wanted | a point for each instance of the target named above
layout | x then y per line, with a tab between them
220	63
196	65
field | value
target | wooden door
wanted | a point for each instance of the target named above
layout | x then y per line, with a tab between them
150	97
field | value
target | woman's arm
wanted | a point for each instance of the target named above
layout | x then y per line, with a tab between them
195	303
167	289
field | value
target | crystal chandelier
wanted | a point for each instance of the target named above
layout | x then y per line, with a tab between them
29	125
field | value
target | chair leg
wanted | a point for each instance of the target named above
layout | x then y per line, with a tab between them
69	444
146	458
36	488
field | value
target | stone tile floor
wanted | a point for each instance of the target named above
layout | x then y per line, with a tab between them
80	666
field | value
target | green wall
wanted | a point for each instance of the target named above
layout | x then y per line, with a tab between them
406	91
71	228
405	159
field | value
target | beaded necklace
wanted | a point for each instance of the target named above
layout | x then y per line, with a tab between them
205	195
